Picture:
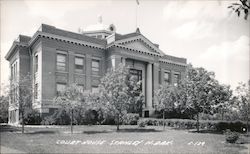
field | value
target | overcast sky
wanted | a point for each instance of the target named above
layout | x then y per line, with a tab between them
204	32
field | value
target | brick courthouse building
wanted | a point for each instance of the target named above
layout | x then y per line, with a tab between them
57	58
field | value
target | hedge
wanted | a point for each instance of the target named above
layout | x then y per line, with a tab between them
214	125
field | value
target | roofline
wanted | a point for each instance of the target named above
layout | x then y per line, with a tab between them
65	39
13	47
96	31
142	37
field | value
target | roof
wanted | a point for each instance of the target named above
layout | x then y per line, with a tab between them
121	37
60	32
47	29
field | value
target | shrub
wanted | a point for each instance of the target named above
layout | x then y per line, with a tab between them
91	117
142	124
231	137
60	117
32	117
49	120
131	119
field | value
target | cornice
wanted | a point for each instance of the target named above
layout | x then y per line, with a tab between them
65	39
172	62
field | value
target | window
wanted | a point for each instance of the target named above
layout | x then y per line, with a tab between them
36	63
95	67
167	77
176	79
159	77
60	88
61	62
14	71
36	91
95	89
78	65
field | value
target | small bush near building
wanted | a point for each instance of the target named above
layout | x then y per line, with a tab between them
32	117
142	124
60	117
218	126
131	119
231	137
49	120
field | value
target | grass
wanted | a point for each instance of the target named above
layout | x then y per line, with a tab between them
151	139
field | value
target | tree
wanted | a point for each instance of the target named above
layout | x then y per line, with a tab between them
21	93
115	94
166	98
241	6
199	86
136	95
71	99
242	101
222	99
4	106
94	101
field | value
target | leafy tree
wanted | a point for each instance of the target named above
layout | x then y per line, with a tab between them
166	96
115	93
21	93
71	99
136	95
4	106
241	6
222	97
243	102
199	86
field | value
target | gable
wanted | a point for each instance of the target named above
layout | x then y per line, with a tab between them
139	45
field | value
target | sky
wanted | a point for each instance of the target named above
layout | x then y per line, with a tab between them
205	32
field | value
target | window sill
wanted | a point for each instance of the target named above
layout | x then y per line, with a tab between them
61	72
77	73
94	75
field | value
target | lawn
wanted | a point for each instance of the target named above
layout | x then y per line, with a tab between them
105	139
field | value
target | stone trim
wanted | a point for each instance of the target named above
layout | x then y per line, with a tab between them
172	63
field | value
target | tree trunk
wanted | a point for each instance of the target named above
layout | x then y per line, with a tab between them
118	121
222	115
71	122
22	122
163	119
197	123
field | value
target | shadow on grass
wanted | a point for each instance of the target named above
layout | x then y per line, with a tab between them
205	132
138	130
41	132
8	128
95	132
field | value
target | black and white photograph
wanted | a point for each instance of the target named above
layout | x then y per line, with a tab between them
125	76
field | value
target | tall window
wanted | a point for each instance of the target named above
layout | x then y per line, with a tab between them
36	63
61	62
60	88
36	91
176	79
78	64
159	77
95	67
167	77
14	71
